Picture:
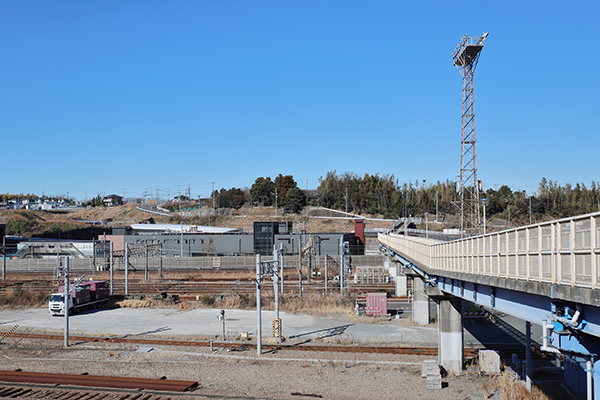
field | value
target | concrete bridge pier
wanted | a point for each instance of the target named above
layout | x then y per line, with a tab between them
396	271
450	334
420	302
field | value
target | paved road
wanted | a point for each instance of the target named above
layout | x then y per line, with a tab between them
204	322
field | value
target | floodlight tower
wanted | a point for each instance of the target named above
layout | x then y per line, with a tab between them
466	55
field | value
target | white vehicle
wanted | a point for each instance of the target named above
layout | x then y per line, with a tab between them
56	304
90	293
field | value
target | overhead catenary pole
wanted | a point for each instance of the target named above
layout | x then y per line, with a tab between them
146	272
3	257
281	266
67	300
276	281
111	268
326	273
275	271
181	223
341	264
258	316
160	265
309	263
300	265
126	268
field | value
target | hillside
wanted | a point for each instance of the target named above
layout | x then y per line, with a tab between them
48	223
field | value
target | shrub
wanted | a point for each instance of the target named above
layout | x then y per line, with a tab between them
207	300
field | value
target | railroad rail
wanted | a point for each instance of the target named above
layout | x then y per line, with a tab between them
469	352
99	381
300	346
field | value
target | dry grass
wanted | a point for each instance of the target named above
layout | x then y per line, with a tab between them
513	389
19	298
314	304
146	303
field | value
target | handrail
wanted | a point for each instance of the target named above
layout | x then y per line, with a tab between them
563	252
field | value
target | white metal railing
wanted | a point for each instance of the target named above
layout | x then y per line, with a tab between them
565	252
45	265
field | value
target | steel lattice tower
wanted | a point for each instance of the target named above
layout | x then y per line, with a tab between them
466	55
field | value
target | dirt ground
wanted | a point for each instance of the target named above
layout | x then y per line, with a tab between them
246	375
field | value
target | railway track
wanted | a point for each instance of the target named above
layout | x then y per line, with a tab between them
302	346
41	391
469	352
210	286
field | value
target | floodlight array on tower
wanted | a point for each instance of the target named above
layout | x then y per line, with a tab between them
466	55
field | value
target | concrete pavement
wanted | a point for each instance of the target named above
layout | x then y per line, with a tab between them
204	322
201	322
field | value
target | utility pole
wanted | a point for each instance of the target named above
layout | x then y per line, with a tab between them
67	299
146	272
275	271
111	267
346	202
281	268
126	268
530	211
268	268
300	265
3	233
258	306
465	56
307	197
326	273
436	206
342	265
181	223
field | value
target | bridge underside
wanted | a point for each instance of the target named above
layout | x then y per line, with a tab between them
570	317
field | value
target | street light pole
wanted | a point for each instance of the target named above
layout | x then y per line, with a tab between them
484	202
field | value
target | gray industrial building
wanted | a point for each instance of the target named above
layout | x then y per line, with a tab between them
190	241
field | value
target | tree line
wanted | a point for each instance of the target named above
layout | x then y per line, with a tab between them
383	195
283	192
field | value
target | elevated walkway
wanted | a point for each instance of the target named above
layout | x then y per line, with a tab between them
546	274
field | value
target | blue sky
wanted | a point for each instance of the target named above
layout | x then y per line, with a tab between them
127	96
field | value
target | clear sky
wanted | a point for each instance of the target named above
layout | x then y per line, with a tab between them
127	96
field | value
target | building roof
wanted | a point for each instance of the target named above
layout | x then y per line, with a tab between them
174	228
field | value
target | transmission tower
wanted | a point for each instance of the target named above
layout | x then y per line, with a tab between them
466	55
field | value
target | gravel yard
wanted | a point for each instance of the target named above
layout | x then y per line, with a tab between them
244	374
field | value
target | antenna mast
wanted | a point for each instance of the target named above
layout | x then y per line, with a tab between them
465	56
